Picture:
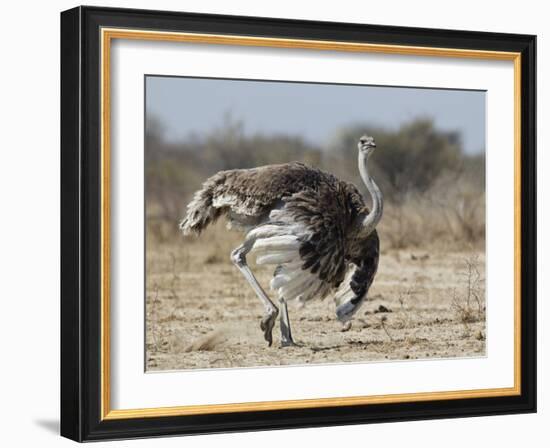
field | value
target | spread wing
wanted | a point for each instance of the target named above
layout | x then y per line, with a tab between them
359	277
327	216
308	240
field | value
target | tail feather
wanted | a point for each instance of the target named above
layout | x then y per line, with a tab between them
201	211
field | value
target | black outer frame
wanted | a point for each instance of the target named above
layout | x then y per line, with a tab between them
80	224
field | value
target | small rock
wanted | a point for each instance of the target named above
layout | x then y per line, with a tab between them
419	257
382	309
346	326
480	336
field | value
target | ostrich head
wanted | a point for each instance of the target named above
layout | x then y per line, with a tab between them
366	145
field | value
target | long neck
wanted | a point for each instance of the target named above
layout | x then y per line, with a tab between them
371	220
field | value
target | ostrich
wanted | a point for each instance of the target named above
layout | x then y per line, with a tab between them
314	228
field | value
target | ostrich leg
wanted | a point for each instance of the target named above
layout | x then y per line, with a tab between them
238	257
286	334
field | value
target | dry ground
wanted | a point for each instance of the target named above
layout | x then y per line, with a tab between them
202	314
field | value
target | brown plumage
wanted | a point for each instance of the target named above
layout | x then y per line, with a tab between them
251	192
305	221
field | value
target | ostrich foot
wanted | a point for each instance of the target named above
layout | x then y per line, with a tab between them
286	335
289	343
267	324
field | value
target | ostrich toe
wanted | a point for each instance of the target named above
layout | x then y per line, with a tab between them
267	323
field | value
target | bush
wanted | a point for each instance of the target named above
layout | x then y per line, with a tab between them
408	160
434	192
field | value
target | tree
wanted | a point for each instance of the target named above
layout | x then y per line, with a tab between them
407	160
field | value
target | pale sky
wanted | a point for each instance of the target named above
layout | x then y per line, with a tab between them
313	111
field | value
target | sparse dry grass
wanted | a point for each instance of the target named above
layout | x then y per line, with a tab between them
468	301
201	313
428	298
446	216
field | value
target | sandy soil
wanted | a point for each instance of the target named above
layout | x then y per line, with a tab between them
202	314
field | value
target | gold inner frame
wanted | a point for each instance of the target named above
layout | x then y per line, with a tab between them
107	35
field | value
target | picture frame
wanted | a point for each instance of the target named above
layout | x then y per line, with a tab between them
86	206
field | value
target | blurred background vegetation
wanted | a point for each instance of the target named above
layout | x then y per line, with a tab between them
434	190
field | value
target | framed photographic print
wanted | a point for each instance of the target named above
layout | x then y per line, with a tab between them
275	224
